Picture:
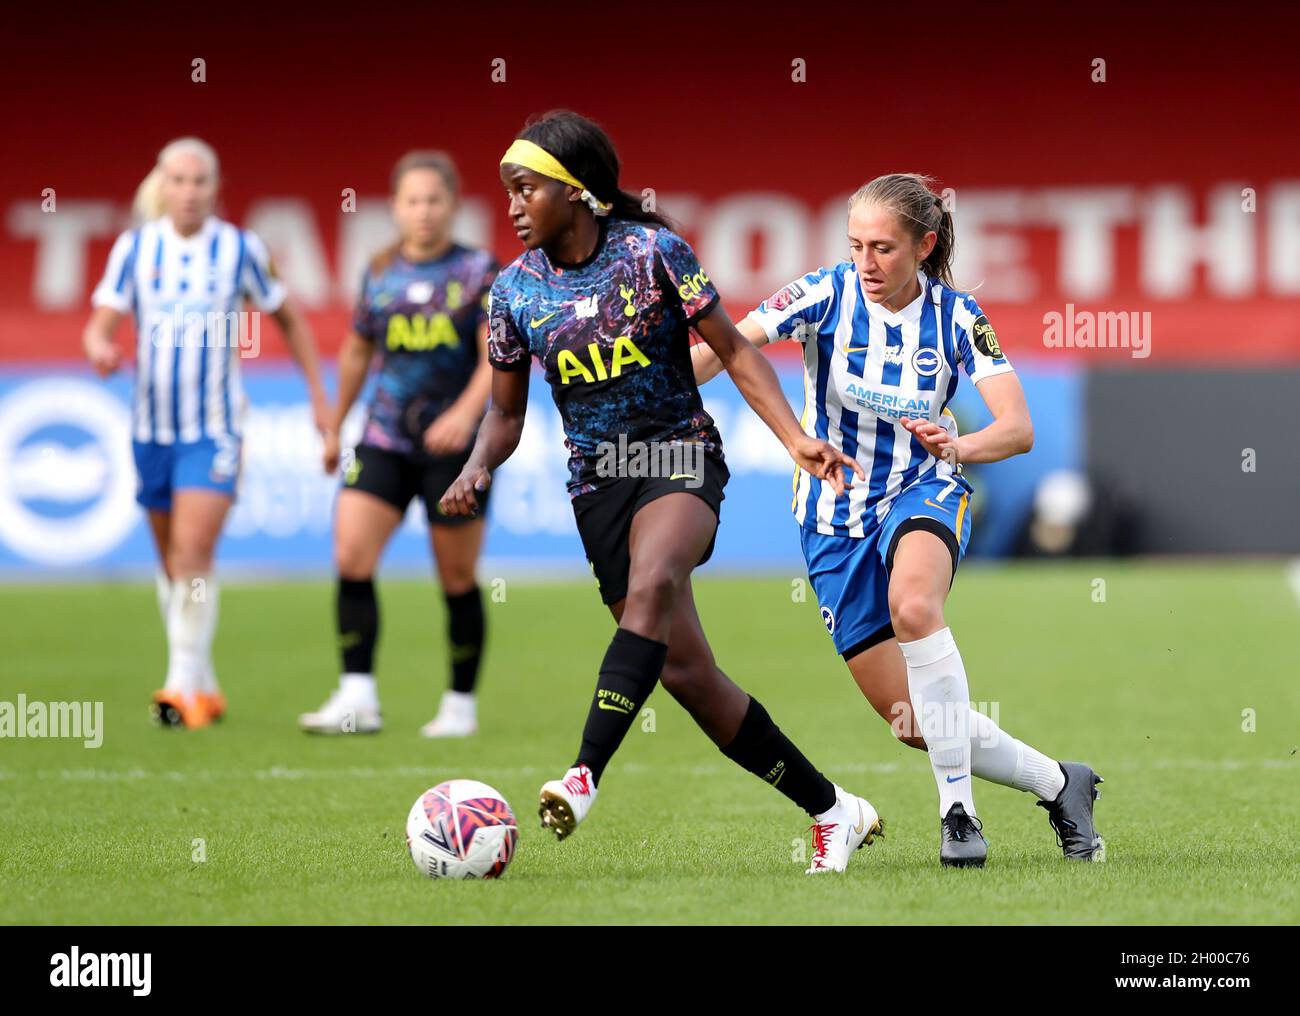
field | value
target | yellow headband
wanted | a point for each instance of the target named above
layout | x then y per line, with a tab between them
539	160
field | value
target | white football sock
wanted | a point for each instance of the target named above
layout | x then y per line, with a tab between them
936	682
360	688
998	757
187	611
993	754
208	674
164	586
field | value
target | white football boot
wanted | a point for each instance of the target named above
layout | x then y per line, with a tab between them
565	802
344	712
848	824
457	716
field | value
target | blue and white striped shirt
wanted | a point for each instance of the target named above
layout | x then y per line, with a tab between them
187	295
864	368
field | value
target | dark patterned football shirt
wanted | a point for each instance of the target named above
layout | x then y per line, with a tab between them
613	336
423	318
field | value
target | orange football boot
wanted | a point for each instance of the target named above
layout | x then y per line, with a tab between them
215	701
176	709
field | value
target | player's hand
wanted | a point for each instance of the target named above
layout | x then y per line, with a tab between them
460	498
330	456
105	356
933	438
450	433
824	462
321	413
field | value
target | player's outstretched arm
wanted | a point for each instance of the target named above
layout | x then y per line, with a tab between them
497	440
102	350
1010	433
705	361
354	363
302	347
757	382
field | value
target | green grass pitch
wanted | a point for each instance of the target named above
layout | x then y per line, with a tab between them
1149	686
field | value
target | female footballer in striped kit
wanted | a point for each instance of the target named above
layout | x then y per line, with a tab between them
184	275
884	335
604	296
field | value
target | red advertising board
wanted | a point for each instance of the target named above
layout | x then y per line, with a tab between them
1135	188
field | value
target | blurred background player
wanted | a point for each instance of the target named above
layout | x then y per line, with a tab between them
604	296
184	274
884	335
422	303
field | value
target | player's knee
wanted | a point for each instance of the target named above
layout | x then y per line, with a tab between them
654	588
189	558
675	678
682	679
456	578
458	584
915	615
901	724
352	561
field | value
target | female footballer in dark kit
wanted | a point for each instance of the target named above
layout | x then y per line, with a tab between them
604	296
422	306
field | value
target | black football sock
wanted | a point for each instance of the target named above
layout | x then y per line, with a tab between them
760	747
628	675
465	638
358	625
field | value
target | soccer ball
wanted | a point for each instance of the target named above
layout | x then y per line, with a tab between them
461	829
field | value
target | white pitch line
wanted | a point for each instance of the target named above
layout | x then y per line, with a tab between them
1293	578
632	769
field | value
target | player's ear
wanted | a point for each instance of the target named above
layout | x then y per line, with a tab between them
926	245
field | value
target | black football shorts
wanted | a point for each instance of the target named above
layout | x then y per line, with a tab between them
396	477
604	517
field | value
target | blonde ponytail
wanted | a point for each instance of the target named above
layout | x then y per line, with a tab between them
148	203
